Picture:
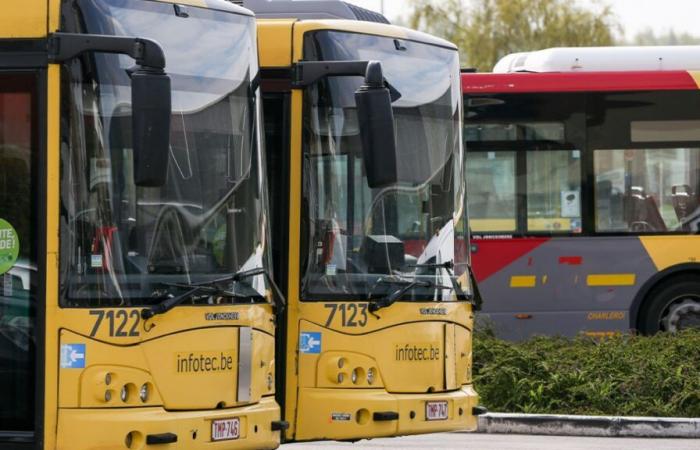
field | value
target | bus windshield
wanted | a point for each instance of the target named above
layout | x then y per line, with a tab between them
363	243
123	244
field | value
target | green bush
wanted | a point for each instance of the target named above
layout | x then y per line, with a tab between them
623	375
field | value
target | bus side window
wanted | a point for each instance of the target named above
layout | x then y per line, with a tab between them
655	185
554	191
491	191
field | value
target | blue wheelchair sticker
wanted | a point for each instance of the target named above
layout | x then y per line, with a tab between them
310	342
72	356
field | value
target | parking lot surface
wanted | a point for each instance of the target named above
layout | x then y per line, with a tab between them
461	441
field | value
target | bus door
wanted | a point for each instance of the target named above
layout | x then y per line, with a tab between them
18	257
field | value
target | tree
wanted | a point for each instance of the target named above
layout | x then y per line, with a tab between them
487	30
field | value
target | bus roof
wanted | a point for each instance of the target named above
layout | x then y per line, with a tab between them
602	59
311	9
506	83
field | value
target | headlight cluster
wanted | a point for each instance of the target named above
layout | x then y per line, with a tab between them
127	392
352	375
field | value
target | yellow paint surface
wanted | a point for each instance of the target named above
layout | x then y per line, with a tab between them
611	279
291	379
52	211
523	281
696	77
667	251
275	42
23	19
106	428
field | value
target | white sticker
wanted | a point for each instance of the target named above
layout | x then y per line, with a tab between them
570	204
331	269
95	261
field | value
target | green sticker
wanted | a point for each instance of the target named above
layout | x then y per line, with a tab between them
9	246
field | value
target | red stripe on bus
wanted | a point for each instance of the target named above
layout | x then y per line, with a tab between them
507	83
491	255
571	260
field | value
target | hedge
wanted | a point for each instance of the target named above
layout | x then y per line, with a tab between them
624	375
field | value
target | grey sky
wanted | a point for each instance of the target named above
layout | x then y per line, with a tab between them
634	15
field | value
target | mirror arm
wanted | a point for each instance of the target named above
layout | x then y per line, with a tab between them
65	46
306	73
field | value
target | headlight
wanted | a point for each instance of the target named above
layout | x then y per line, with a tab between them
143	393
341	377
269	381
108	396
124	394
370	375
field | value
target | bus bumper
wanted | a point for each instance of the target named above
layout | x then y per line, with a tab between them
108	428
362	413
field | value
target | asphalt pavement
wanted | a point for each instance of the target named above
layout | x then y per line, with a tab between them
461	441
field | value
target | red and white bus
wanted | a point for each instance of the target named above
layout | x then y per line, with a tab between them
584	184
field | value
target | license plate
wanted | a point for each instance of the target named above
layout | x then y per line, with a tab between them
226	429
435	410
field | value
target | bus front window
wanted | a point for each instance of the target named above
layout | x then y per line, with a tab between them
124	244
364	243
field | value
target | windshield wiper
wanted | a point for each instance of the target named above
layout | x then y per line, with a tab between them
206	287
447	265
390	299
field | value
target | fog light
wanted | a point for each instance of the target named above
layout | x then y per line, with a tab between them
370	375
143	392
124	394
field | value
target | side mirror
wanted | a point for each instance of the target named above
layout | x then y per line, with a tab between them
151	111
376	122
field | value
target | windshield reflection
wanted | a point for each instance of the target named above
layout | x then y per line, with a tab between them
366	243
123	244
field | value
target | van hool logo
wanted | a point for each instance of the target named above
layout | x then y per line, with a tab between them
417	352
222	316
433	311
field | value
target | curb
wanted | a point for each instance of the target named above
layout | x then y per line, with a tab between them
594	426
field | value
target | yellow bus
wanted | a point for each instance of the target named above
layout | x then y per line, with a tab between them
366	162
135	310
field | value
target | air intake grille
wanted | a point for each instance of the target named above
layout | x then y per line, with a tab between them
366	15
